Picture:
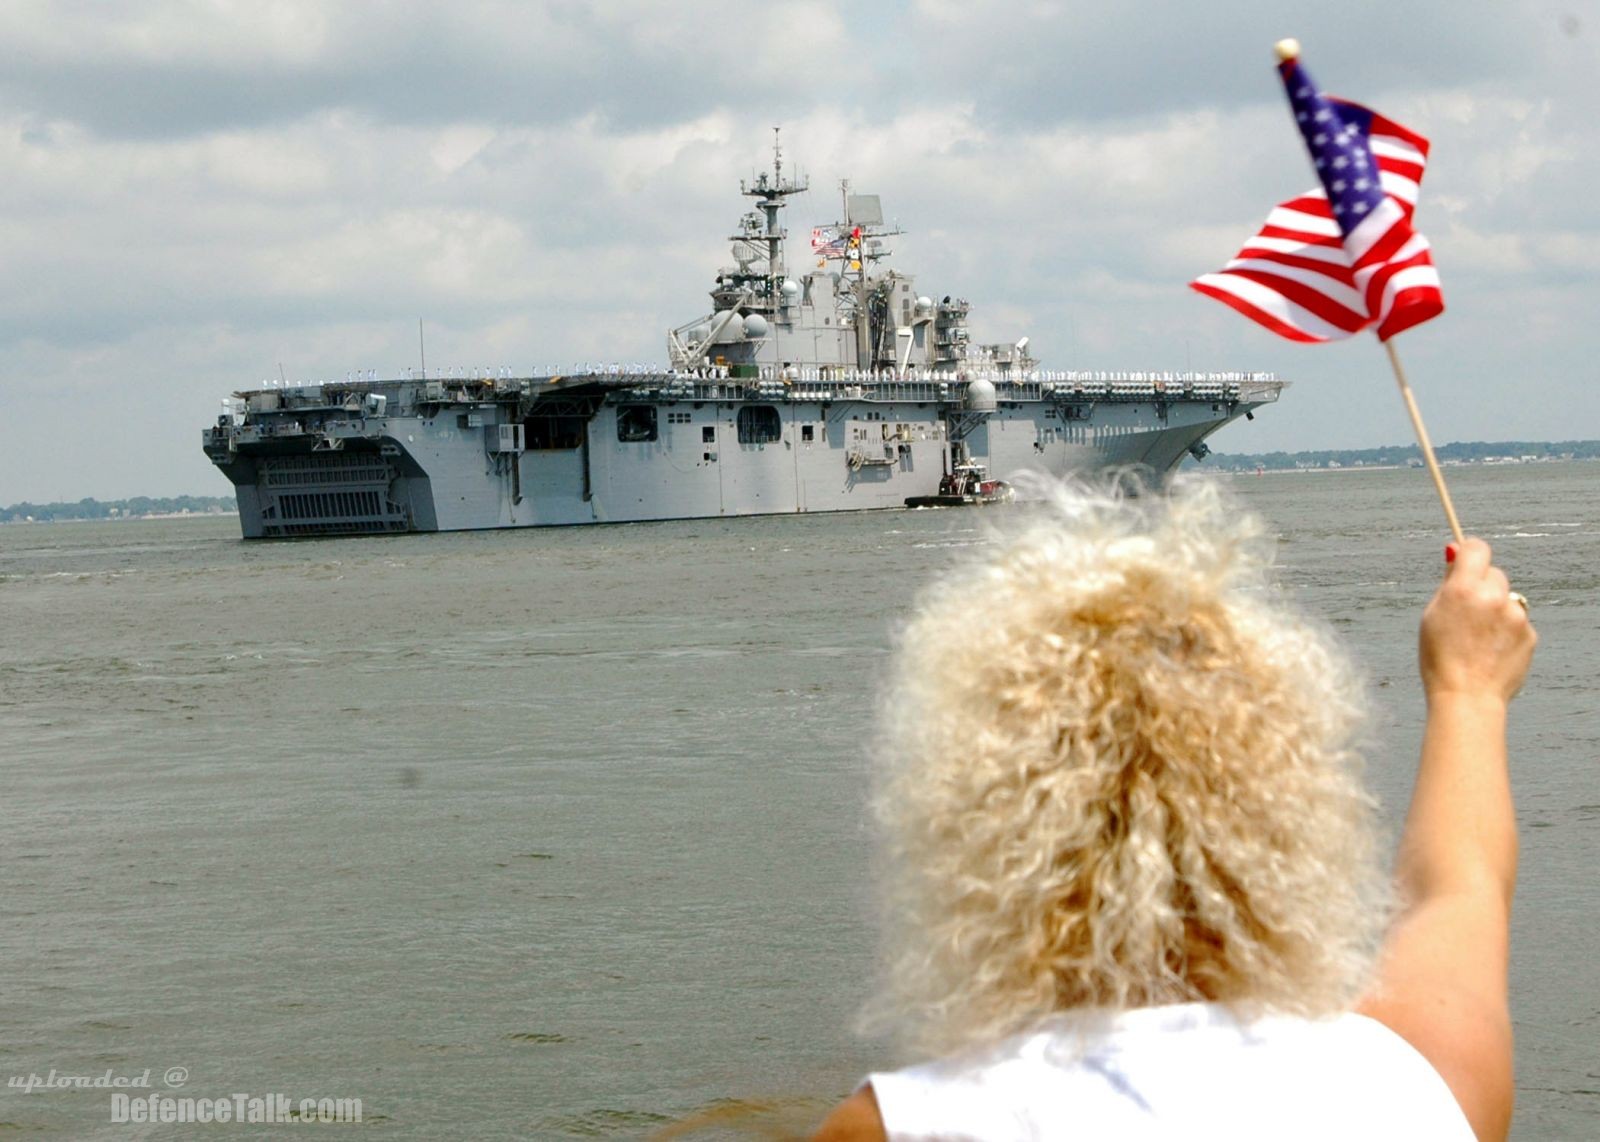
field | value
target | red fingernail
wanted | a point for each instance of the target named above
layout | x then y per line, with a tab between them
1449	553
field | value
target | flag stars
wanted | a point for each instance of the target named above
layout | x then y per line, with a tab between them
1303	92
1324	115
1339	184
1301	117
1319	138
1340	163
1362	183
1360	208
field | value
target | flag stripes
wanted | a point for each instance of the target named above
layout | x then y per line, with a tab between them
1305	276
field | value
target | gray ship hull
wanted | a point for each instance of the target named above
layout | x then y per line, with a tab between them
412	455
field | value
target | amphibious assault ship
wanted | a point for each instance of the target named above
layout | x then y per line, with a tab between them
836	387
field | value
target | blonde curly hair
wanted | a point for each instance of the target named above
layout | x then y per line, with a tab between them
1117	770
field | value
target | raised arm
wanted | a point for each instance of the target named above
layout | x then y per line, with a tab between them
1442	978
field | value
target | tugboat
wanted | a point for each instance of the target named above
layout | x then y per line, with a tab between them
967	483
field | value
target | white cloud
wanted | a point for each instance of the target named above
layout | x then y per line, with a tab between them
196	192
212	32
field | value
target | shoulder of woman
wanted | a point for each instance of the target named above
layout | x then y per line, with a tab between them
1445	996
856	1119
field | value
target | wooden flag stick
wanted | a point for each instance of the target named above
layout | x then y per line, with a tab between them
1422	439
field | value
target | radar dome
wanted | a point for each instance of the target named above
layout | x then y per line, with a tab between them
790	288
755	327
980	396
924	306
699	333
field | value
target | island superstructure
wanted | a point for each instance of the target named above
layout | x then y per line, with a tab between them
836	387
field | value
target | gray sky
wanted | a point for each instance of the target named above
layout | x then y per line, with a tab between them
195	192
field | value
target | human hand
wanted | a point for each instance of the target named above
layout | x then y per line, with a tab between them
1475	638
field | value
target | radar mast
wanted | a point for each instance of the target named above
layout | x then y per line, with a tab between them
769	194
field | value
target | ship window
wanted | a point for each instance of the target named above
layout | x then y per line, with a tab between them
708	434
807	431
553	432
636	423
759	424
461	420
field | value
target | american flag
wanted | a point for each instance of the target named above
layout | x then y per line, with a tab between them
1321	272
828	241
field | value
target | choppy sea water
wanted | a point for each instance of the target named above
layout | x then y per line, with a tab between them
560	833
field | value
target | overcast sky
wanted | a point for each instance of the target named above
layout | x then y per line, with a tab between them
197	192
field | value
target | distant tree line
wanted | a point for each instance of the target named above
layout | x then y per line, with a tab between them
1400	455
117	509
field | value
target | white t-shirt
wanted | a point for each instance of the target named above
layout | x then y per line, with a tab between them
1192	1071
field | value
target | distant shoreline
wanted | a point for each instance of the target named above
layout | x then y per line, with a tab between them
130	507
1339	469
1311	471
1458	454
120	518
